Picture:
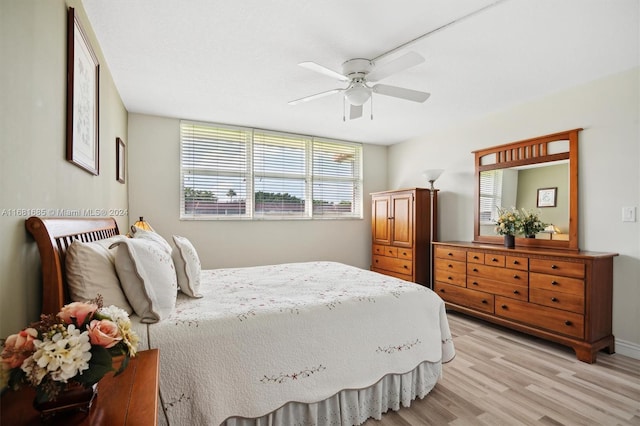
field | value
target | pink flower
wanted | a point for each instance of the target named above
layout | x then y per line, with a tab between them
78	311
104	333
18	347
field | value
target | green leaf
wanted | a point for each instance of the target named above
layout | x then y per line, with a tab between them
99	365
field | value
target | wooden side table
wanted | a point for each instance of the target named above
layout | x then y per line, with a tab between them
128	399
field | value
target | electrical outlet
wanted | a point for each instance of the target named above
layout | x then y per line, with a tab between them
628	214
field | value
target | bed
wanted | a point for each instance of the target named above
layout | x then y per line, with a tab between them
309	343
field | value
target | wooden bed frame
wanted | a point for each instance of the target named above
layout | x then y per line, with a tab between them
53	236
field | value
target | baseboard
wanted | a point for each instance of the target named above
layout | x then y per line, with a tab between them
630	349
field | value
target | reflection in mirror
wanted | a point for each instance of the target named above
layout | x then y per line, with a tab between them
518	187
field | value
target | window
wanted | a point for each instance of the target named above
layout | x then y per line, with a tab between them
241	173
490	195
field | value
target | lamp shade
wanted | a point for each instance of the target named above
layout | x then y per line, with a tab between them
142	224
432	175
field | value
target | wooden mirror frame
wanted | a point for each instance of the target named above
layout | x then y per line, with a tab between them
525	152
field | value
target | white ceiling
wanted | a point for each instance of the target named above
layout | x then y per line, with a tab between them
235	62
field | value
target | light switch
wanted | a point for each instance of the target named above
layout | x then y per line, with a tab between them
628	214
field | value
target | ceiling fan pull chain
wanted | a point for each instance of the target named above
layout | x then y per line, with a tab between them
371	107
344	108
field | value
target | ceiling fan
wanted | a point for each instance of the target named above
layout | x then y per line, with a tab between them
359	73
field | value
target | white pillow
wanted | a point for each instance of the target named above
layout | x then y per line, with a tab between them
187	263
90	270
152	236
148	278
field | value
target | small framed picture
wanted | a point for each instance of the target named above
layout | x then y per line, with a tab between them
547	197
121	157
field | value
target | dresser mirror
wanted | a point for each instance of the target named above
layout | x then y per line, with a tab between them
538	174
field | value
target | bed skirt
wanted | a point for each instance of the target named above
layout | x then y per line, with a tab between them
354	407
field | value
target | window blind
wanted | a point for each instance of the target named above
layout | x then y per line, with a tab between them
234	172
490	195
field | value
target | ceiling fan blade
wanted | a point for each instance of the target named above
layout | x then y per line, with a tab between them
323	70
316	96
355	111
401	92
405	61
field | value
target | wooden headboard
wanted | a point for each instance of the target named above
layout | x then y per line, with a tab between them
53	236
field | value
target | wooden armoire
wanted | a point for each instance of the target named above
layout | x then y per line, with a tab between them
402	227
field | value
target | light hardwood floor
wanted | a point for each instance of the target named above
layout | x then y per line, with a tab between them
501	377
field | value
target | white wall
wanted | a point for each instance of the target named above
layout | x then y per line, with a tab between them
34	174
154	184
609	177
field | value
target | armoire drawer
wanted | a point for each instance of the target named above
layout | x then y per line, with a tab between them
564	322
393	264
465	297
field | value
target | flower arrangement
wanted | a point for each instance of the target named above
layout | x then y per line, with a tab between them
76	345
530	222
509	221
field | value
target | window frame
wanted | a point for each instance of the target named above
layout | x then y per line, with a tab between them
250	173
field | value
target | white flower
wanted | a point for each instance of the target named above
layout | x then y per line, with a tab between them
115	314
63	356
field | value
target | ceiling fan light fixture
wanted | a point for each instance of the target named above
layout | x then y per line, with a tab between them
358	94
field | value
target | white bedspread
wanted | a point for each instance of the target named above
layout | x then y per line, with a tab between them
263	336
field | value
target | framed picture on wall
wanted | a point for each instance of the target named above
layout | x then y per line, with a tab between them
121	157
83	75
547	197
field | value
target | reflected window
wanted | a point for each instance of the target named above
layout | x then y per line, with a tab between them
490	195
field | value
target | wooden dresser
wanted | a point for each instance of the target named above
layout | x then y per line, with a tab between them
401	229
562	296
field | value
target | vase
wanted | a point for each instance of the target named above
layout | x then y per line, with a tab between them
509	241
74	397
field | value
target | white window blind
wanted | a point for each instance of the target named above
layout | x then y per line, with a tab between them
490	195
232	172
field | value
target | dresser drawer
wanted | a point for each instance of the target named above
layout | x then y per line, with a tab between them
451	265
449	277
494	260
378	249
449	253
557	267
506	275
556	283
555	299
393	264
475	257
564	322
465	297
514	291
516	262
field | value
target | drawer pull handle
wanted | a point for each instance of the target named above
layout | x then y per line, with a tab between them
449	254
376	260
516	292
494	259
504	307
474	283
405	267
553	299
515	262
475	270
404	253
554	282
391	218
476	257
484	301
554	267
450	265
449	278
516	276
442	290
567	322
